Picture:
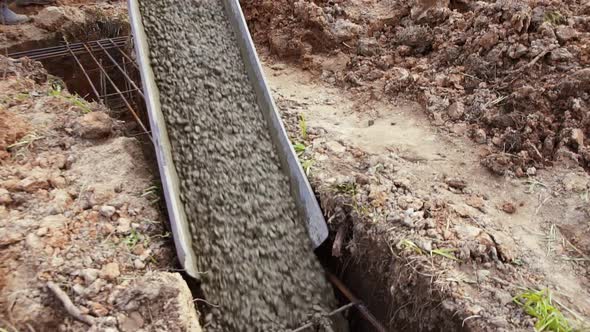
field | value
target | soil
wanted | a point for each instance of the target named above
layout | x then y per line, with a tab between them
258	266
428	127
80	205
66	20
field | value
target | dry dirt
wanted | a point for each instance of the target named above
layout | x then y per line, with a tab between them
392	92
71	20
80	207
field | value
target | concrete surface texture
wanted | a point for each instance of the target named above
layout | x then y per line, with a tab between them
257	264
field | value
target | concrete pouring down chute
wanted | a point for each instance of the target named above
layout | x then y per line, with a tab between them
244	217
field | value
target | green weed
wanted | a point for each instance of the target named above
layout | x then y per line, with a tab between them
152	193
539	304
445	252
303	126
406	244
299	148
132	239
346	188
533	185
56	90
306	164
554	18
81	103
26	141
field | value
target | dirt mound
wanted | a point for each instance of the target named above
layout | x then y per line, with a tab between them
421	232
80	220
509	74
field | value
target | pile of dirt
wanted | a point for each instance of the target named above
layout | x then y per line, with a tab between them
80	221
72	21
510	74
420	231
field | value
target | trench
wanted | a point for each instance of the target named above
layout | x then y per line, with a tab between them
82	76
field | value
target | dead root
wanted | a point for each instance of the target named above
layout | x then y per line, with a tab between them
69	305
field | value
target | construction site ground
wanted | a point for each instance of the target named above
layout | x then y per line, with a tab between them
444	140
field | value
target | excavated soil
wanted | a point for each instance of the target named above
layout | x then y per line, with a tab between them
449	229
79	208
258	268
511	75
72	21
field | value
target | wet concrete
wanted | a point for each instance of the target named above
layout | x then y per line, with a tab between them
251	244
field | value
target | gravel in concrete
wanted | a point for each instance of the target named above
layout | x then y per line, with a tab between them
251	244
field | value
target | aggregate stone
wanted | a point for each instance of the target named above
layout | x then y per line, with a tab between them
251	244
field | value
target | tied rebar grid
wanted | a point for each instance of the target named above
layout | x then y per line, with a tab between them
93	50
97	52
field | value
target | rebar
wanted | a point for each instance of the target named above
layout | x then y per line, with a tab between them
66	49
359	305
129	80
97	95
118	91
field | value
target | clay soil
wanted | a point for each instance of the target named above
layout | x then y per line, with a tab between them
80	201
446	142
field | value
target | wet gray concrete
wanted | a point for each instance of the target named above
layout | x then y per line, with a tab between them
251	245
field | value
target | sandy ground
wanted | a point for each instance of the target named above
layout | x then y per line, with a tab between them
446	140
508	233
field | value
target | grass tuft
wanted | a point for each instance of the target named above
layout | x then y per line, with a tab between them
303	126
539	304
445	252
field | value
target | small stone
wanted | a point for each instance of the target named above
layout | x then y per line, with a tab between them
79	289
89	275
42	231
70	161
5	198
577	138
138	264
467	232
34	242
132	323
456	183
98	309
57	261
503	297
425	245
408	217
57	182
107	211
482	275
110	271
565	34
371	122
31	184
508	207
94	125
124	226
456	110
335	147
531	171
479	136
